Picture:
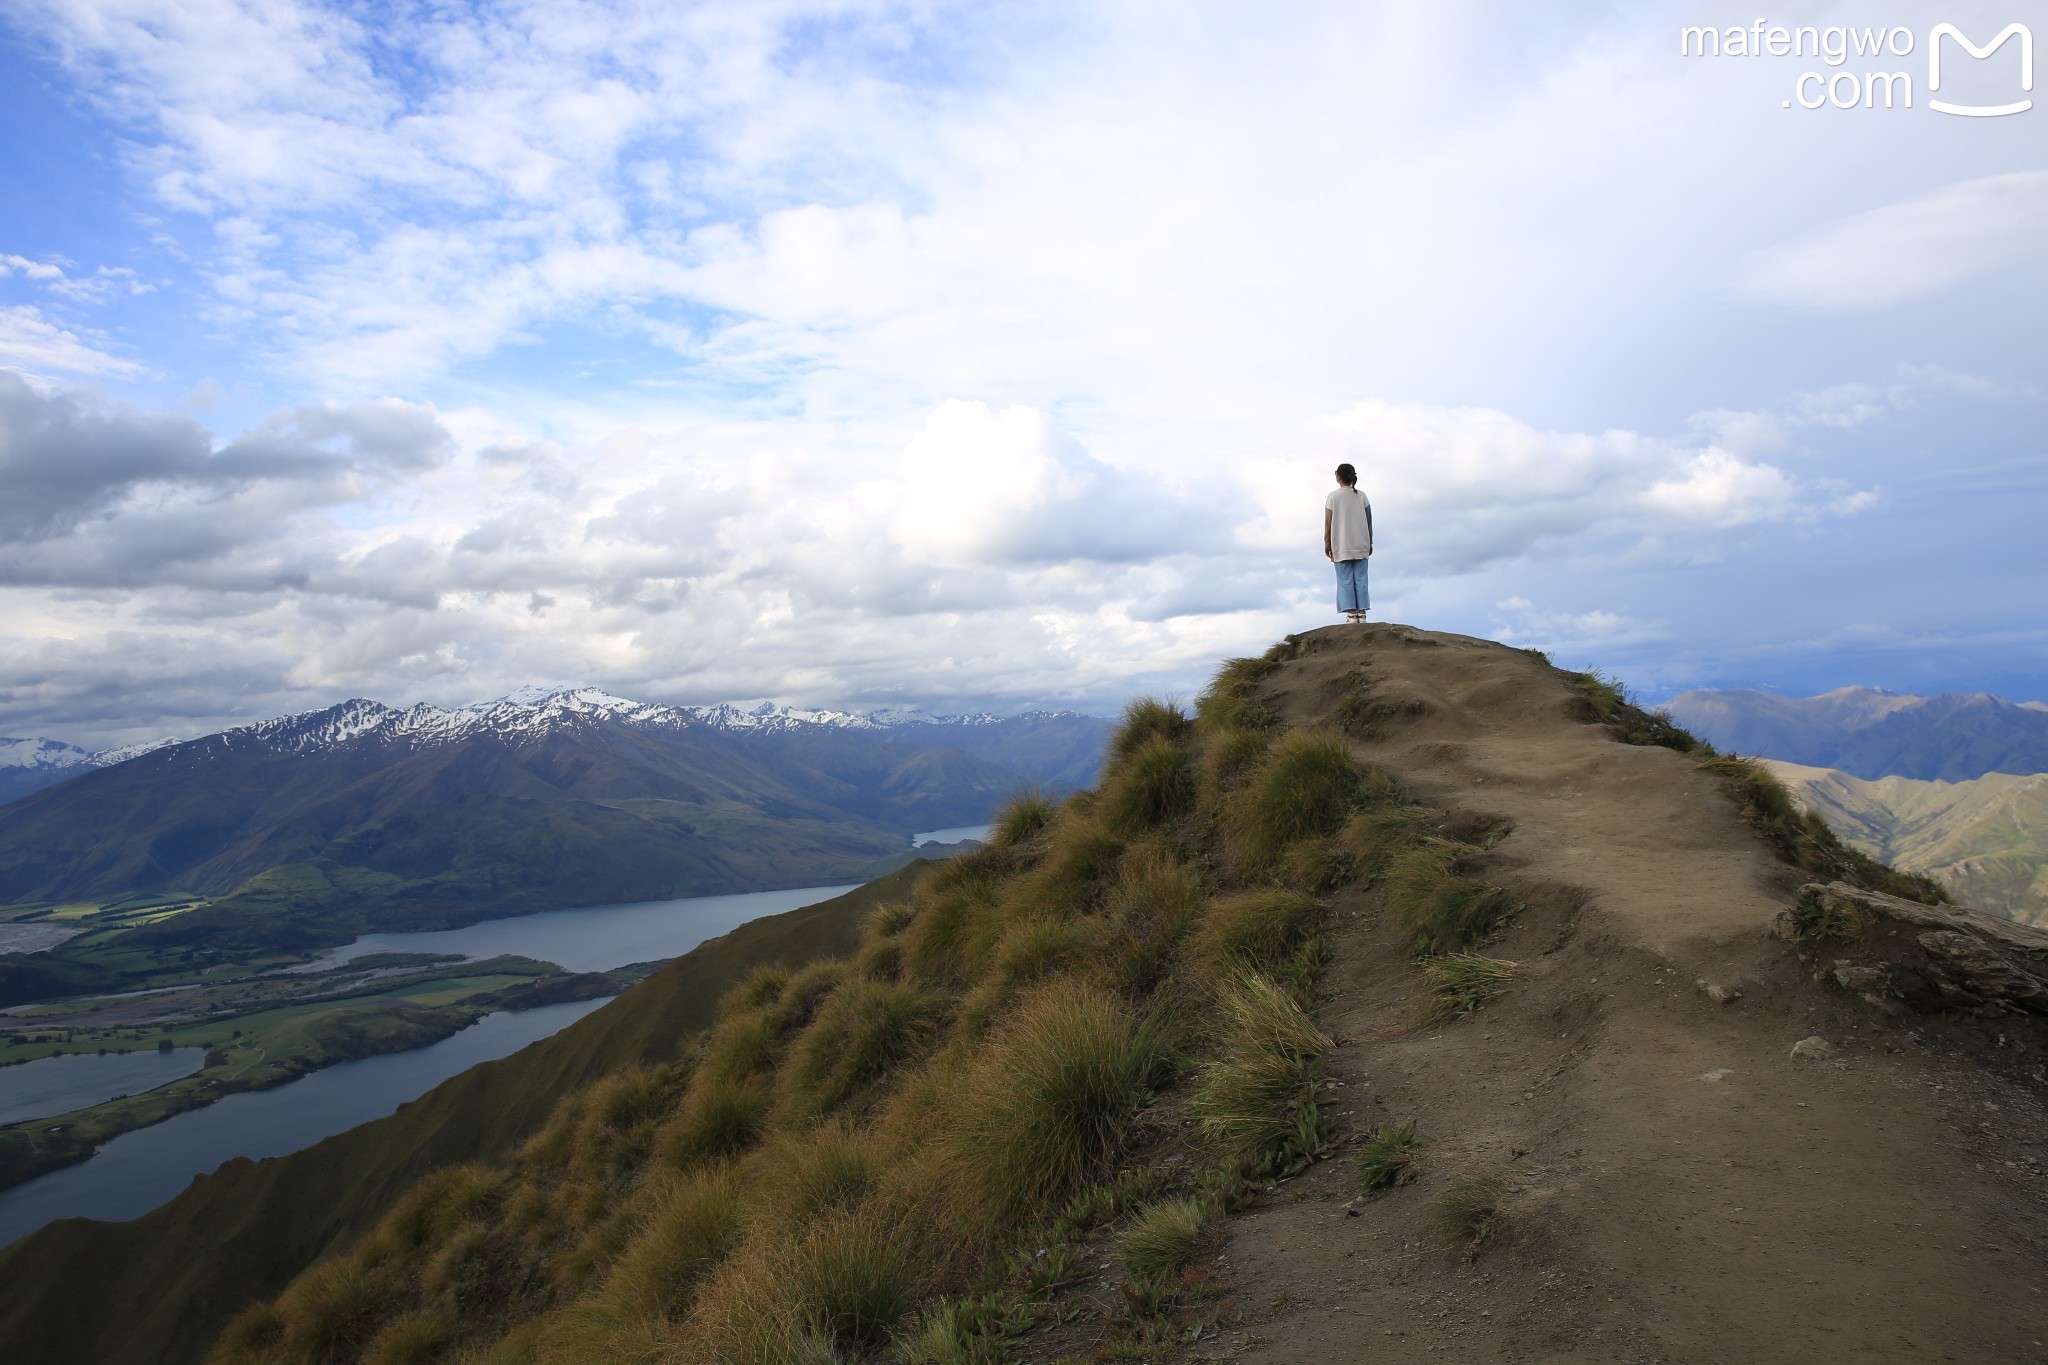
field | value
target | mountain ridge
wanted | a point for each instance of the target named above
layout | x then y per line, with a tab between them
1871	733
429	817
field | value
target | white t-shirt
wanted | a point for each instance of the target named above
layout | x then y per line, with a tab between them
1350	524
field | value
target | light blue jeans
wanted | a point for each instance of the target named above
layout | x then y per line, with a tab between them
1351	593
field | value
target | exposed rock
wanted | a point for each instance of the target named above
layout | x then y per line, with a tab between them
1813	1049
1927	957
1720	995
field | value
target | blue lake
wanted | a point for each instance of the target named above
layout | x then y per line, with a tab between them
60	1084
135	1172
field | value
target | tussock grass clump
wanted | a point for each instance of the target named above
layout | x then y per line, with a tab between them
888	920
1387	1157
1317	865
1257	928
1231	701
835	1290
1802	838
799	1001
1372	837
415	1338
761	987
1149	786
1146	721
1467	1211
1030	950
1459	983
332	1310
862	1031
718	1118
1256	1099
691	1225
803	1177
1441	909
1081	857
1042	1107
881	960
1305	787
1163	1237
1022	818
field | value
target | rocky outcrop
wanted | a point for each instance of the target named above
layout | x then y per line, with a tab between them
1923	958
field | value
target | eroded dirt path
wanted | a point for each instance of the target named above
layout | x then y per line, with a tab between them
1683	1189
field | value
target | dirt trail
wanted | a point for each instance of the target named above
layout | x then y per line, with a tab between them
1683	1188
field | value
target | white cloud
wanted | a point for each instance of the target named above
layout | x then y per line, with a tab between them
1908	250
30	339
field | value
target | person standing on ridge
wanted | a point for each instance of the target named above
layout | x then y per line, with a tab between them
1347	541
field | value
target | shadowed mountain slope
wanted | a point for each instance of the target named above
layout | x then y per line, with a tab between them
1870	733
181	1271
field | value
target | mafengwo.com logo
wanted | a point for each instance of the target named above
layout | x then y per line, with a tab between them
1856	58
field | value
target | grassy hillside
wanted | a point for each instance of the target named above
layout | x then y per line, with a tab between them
158	1289
1985	840
1067	1056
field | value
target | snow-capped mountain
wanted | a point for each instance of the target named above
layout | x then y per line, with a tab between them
528	712
547	797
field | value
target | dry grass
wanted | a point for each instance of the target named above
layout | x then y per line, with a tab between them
1042	1107
719	1117
1441	909
1022	818
692	1224
1467	1211
1256	928
1252	1097
1146	721
836	1288
1459	983
862	1031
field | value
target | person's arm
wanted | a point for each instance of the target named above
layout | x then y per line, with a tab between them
1328	515
1368	528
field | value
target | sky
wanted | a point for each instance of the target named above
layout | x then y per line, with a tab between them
994	356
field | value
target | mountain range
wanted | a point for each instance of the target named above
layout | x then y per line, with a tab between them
364	815
1870	733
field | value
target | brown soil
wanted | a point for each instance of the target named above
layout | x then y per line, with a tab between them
1683	1189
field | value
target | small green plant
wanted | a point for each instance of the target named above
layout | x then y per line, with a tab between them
1467	1211
1609	703
1359	713
1387	1157
1041	1272
1459	983
975	1330
1162	1237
